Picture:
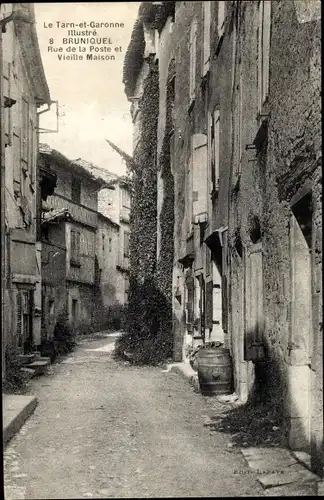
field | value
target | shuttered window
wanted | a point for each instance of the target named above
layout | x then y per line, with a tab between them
209	305
190	304
19	319
16	163
193	60
206	41
199	177
215	135
239	120
264	29
31	151
75	247
221	18
24	138
125	198
76	190
7	96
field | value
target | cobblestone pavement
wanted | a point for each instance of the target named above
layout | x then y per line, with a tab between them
105	429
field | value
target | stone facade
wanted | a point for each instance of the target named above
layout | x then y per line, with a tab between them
23	91
245	156
69	222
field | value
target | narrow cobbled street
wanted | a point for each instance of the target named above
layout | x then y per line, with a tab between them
106	429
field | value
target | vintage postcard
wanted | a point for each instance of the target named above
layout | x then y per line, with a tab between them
161	249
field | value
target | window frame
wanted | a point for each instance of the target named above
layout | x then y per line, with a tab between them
215	149
75	258
206	52
76	181
263	59
192	61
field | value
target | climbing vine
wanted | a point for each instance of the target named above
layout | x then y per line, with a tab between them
143	322
165	261
148	335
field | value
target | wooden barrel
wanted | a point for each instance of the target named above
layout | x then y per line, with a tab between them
215	372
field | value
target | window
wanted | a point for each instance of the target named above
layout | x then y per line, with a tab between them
109	244
76	190
215	131
75	247
199	166
24	145
264	27
221	19
193	56
51	308
103	243
208	261
125	198
126	288
6	94
31	154
126	244
206	43
74	310
239	118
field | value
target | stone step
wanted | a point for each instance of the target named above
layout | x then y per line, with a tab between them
39	366
28	371
25	359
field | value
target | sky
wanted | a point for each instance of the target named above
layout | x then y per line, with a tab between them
92	103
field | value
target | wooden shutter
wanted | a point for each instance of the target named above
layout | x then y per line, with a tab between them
209	305
7	110
16	162
260	64
75	246
216	130
190	304
206	47
193	56
76	190
266	28
221	18
199	177
18	319
24	138
254	319
31	150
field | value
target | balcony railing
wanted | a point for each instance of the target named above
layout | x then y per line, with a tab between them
80	213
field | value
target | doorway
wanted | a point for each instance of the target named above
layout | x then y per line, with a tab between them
74	311
300	335
25	308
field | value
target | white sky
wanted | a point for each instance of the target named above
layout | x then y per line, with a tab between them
90	93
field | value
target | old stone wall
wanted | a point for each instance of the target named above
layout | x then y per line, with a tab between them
271	183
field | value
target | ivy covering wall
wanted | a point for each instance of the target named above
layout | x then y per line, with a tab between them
145	337
148	336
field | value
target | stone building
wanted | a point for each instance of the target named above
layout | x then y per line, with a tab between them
23	90
114	203
84	243
69	224
237	157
